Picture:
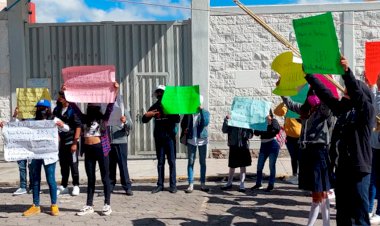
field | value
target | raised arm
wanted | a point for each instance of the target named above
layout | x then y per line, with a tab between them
225	127
291	105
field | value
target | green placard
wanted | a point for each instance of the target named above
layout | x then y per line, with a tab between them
318	44
181	100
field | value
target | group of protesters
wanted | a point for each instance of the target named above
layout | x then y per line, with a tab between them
331	146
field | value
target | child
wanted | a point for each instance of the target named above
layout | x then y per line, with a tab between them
239	156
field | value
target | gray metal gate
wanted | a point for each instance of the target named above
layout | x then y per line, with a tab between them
145	54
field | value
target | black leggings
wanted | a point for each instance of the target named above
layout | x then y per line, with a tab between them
94	153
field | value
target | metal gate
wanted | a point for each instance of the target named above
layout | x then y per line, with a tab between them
145	54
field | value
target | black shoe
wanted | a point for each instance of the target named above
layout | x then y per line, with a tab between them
205	189
242	190
129	192
226	187
157	189
257	187
269	188
173	190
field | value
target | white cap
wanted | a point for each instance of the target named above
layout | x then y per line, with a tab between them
160	87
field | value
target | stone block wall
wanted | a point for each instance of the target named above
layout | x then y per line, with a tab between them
238	43
4	75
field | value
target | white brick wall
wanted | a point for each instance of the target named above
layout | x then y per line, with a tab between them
239	43
4	76
369	22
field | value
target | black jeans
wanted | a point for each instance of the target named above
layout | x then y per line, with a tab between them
166	146
67	164
119	156
351	197
93	154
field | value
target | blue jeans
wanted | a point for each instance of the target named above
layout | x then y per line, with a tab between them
293	148
269	149
374	182
191	153
165	146
22	164
351	196
50	177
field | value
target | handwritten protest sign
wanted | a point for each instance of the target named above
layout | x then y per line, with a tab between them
372	61
318	44
292	75
90	84
181	100
30	140
27	99
117	112
299	98
248	113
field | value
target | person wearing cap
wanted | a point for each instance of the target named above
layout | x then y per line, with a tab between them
68	145
43	112
194	128
164	136
96	148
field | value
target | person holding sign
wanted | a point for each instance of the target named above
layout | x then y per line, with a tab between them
194	131
269	148
314	172
350	145
239	155
43	112
164	137
68	145
119	152
96	148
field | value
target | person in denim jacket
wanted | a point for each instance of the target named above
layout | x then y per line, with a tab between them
194	127
239	155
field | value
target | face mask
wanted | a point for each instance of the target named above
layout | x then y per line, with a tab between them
42	114
59	104
313	100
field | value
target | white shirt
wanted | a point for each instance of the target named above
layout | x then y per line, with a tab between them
195	141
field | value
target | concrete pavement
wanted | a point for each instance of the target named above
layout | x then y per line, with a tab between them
285	205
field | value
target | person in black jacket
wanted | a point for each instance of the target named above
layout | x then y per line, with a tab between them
164	137
239	154
68	145
350	146
269	148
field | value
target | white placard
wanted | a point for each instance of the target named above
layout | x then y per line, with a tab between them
248	79
30	140
117	112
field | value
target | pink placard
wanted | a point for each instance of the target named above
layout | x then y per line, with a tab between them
328	84
90	84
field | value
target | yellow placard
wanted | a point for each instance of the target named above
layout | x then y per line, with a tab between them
292	75
27	99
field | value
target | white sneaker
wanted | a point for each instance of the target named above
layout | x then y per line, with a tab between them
75	191
375	219
85	210
20	191
106	210
62	190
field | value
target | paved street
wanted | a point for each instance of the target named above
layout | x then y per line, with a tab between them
286	205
